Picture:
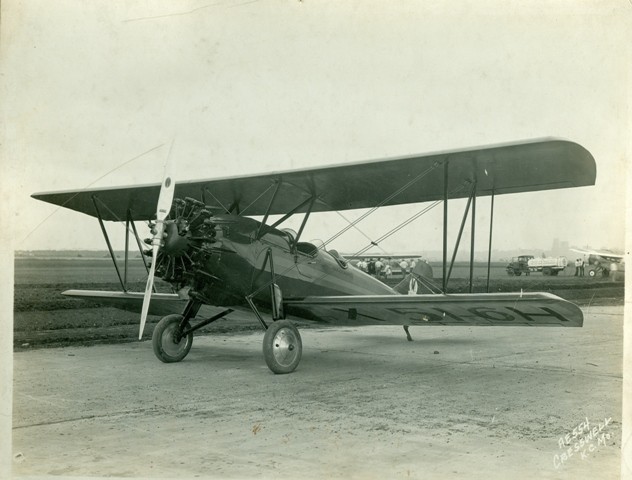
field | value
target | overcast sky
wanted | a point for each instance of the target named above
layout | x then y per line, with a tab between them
246	87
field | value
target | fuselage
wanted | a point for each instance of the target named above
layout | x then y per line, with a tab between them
603	259
240	259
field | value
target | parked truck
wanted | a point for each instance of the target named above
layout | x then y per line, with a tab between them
528	264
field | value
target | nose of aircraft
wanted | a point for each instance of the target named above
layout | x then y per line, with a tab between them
174	244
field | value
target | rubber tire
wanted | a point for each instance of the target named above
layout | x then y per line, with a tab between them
592	273
165	327
270	344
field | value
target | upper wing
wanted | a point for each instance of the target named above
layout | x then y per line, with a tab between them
509	168
482	309
603	253
389	255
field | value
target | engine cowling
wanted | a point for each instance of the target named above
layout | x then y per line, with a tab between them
188	239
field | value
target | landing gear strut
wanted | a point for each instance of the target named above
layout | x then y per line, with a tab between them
408	337
282	344
173	336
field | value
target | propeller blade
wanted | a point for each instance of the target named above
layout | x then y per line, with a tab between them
148	289
165	199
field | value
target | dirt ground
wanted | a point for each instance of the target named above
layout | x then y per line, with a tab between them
90	400
364	403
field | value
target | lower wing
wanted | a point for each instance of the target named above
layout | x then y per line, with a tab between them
161	303
481	309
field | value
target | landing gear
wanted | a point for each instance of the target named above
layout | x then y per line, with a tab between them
604	272
282	344
169	344
282	347
173	336
408	337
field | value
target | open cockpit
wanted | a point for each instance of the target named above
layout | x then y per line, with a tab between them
311	248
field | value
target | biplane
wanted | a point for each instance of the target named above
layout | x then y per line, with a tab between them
214	244
602	262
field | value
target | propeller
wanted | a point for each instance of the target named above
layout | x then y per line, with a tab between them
165	199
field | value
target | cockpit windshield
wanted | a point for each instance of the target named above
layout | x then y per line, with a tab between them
290	233
319	244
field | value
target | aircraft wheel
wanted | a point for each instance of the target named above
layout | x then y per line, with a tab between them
165	346
282	347
592	273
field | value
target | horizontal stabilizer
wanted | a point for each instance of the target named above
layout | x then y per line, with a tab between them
482	309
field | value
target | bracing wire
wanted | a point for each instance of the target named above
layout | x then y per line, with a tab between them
383	237
361	232
261	195
385	201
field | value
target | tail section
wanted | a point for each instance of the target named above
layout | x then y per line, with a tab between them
418	281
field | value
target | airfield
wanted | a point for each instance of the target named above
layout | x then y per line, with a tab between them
363	403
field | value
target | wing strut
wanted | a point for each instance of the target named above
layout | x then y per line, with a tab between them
107	241
489	253
265	218
458	238
293	211
129	222
125	269
472	239
304	222
445	223
138	241
471	203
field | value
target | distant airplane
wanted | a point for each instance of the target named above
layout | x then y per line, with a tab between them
212	254
394	260
602	262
